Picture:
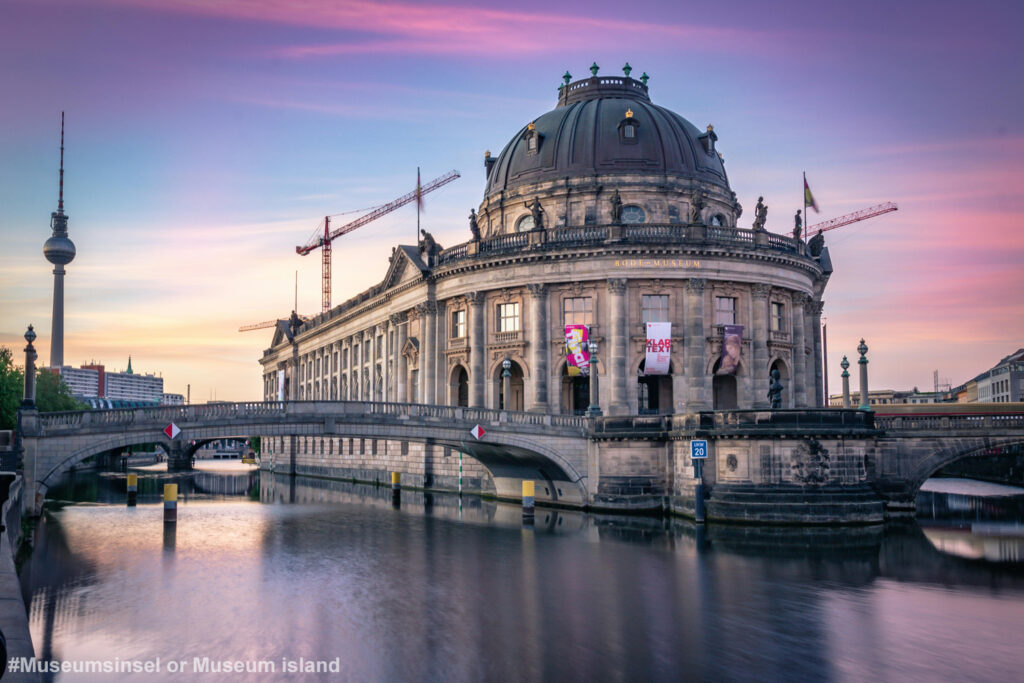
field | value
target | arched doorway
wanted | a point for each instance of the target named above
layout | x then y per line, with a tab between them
516	387
723	389
787	392
458	387
575	393
653	392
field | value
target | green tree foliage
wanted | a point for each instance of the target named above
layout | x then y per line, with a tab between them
254	443
12	384
53	395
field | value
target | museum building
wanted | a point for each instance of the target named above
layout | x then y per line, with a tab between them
608	211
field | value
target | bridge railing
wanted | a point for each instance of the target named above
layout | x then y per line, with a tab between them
974	421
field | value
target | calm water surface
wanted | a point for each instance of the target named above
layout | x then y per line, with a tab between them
263	568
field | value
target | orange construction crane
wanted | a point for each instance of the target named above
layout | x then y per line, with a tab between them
854	217
268	323
329	235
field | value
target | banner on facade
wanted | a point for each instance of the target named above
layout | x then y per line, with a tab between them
732	345
577	353
659	348
280	385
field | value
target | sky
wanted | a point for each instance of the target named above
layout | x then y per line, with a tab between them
205	139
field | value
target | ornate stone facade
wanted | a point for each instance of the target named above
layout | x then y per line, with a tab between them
439	333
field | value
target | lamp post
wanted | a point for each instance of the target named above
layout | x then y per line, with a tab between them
506	382
846	382
594	410
29	400
862	349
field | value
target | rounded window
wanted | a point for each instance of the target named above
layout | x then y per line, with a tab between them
633	214
718	220
525	224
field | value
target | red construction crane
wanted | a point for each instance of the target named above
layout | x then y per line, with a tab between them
267	323
329	235
854	217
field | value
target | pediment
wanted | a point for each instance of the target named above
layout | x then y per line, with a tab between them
406	266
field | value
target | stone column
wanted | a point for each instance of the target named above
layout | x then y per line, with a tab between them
400	321
617	336
440	359
695	343
865	396
29	399
477	349
816	308
799	380
539	343
846	383
428	325
759	380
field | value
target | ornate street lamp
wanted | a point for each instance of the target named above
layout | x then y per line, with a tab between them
29	400
506	382
845	365
594	410
862	349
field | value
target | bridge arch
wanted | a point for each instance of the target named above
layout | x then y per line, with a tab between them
958	449
113	442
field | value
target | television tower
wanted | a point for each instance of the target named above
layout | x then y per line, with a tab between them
60	251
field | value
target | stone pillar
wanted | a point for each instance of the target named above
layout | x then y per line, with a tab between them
477	349
428	325
440	359
29	399
618	403
539	345
819	391
799	380
865	397
401	323
695	343
759	379
846	383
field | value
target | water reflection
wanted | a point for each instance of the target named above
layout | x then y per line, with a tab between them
440	588
973	519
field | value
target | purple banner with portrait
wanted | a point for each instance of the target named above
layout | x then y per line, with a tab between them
577	352
732	345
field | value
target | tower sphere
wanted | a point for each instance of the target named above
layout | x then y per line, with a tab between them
59	250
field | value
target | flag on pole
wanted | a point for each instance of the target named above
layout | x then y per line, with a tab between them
419	190
809	198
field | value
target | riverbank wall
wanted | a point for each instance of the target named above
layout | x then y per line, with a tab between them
13	615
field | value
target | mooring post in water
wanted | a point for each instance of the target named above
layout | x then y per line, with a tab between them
527	499
170	503
698	491
133	489
396	488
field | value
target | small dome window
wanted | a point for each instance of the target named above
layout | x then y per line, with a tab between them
533	139
525	224
628	129
633	214
718	220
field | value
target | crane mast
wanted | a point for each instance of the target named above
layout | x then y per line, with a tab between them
854	217
329	235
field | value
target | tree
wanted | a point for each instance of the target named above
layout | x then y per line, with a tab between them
12	385
52	394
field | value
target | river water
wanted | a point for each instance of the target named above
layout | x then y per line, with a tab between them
284	573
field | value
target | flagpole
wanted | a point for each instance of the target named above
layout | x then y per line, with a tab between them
419	204
803	200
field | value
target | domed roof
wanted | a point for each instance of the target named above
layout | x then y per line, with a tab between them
587	134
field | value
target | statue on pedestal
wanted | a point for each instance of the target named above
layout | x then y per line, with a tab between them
816	244
775	389
696	207
537	211
473	227
760	214
798	225
616	202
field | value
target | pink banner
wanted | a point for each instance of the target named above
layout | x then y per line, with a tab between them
576	352
732	345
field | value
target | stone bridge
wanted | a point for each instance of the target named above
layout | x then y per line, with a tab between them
793	466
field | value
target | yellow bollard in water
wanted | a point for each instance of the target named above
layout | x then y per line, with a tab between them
527	498
170	502
133	489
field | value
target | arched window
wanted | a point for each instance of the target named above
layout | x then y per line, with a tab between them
628	129
525	224
718	220
633	214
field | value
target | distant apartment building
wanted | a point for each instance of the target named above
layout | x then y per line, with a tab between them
1004	382
102	389
884	397
172	400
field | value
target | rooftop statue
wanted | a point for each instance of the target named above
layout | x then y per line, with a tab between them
798	225
760	214
473	227
696	207
537	212
816	244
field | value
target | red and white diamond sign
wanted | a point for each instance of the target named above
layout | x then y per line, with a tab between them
478	432
171	430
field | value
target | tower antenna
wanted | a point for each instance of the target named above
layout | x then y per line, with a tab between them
60	196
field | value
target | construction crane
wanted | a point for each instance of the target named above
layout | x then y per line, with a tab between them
268	323
854	217
329	235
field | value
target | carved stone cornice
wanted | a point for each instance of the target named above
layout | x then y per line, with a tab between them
398	318
617	285
761	290
537	289
696	285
